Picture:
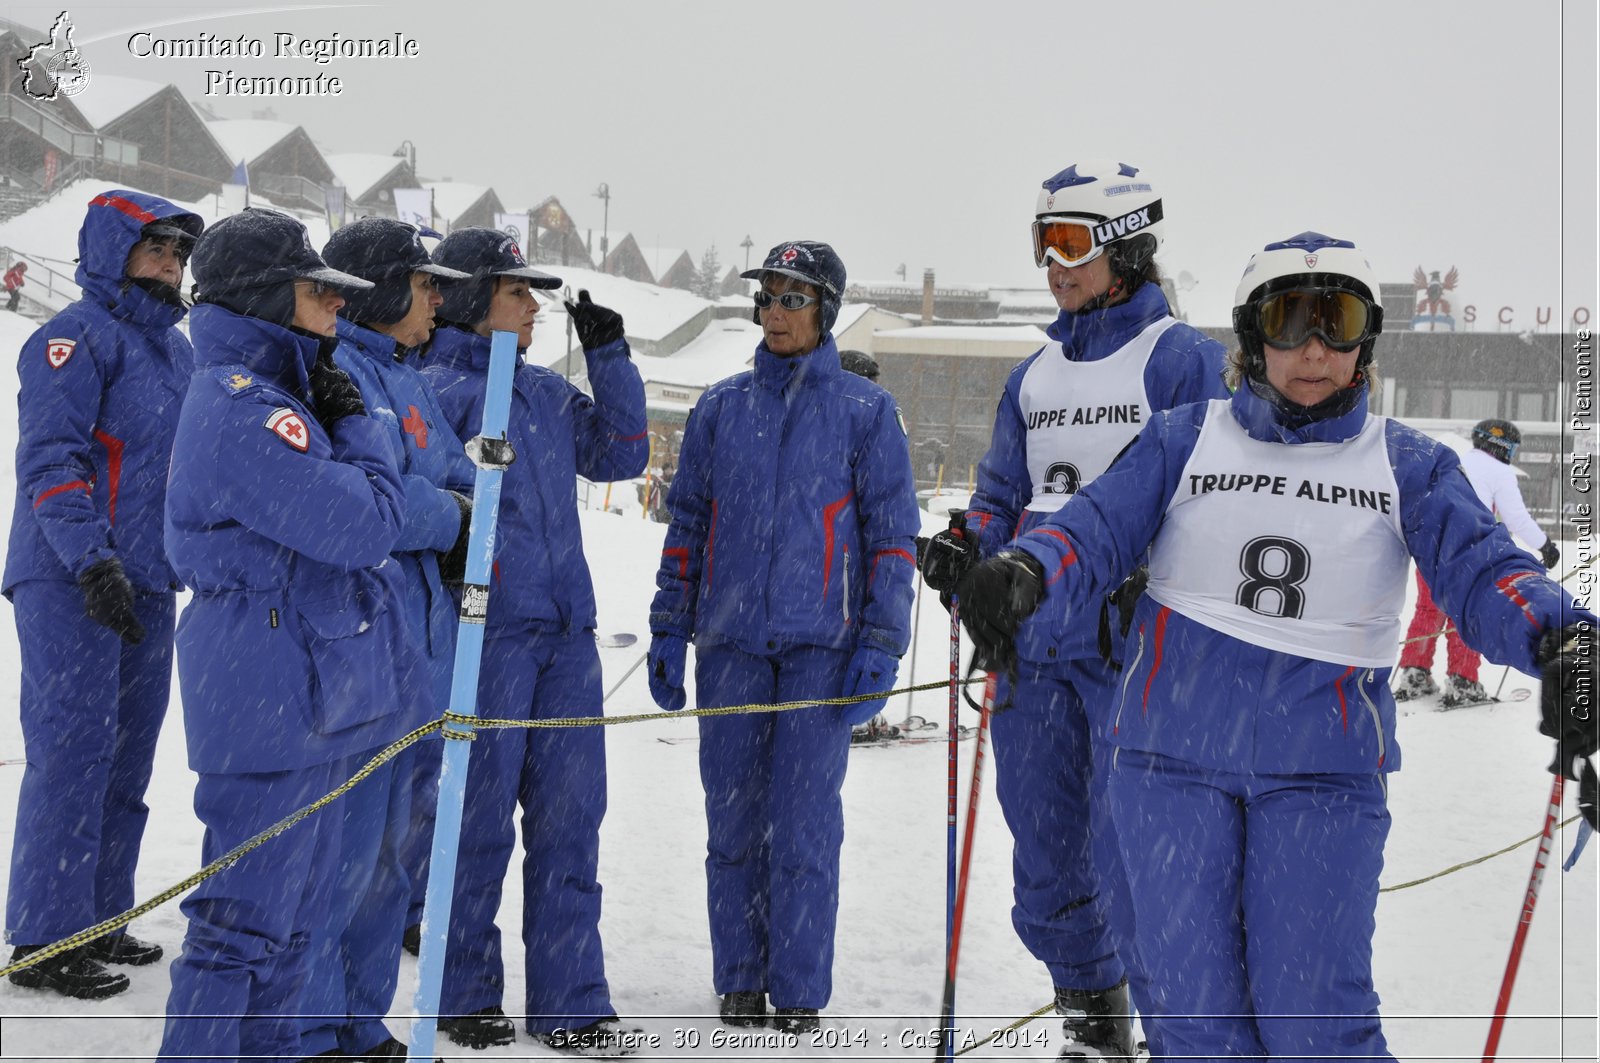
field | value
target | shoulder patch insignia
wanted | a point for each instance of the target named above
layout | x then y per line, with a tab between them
901	420
239	380
289	427
56	352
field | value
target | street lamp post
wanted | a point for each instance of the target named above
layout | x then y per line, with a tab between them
408	152
603	193
747	245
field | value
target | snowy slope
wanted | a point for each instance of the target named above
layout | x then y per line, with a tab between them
1473	782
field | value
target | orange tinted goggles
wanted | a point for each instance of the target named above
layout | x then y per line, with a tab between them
1072	241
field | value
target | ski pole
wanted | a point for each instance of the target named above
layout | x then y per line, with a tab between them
463	692
947	1011
916	628
966	858
1530	898
618	685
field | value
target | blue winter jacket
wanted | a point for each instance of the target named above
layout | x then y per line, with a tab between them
432	463
288	654
1185	366
1194	693
101	384
794	513
541	580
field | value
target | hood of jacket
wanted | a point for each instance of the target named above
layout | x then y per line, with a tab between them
1099	333
222	337
110	228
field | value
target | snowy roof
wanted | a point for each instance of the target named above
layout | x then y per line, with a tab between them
359	171
248	138
109	97
451	199
849	314
723	349
660	259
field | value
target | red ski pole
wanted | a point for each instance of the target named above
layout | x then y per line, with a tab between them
947	1009
1540	860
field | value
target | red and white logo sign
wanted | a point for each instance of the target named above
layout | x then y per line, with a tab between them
1311	262
789	255
56	352
289	427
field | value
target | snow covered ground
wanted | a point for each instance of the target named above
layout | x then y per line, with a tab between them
1474	781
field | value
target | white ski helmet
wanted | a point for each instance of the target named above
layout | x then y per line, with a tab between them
1350	312
1094	206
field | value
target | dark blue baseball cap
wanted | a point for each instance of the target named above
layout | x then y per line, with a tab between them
481	255
257	248
386	252
810	261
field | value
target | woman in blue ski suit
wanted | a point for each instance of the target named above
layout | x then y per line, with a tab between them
101	383
788	563
539	655
388	819
1115	356
283	508
1255	725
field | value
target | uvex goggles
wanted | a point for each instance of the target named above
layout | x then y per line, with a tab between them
1342	318
1075	240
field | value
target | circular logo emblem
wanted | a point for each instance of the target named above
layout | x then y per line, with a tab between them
69	71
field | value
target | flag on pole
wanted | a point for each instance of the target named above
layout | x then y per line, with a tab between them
414	205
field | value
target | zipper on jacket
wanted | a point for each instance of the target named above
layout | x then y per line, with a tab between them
846	594
1372	711
1127	677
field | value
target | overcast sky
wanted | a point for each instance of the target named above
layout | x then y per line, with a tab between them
917	132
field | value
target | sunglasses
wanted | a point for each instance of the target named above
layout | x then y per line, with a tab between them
788	300
315	287
1343	319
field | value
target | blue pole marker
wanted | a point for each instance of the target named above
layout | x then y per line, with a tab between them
491	461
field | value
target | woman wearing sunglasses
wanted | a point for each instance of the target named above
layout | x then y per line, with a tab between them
1255	726
1115	355
789	563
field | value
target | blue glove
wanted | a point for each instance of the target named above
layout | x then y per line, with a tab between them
871	672
665	665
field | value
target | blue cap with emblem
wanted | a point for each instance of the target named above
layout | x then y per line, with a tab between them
386	252
483	255
812	262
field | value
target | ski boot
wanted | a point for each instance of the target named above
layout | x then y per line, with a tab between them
797	1021
485	1028
1415	683
72	974
1459	693
1098	1024
124	949
602	1039
745	1008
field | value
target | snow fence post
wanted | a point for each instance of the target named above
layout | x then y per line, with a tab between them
463	698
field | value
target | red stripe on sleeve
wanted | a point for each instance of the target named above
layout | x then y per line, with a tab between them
114	447
75	485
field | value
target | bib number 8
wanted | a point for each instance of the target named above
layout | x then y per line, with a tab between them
1274	568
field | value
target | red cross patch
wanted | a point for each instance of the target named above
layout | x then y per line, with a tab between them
56	352
416	426
289	427
789	255
1311	262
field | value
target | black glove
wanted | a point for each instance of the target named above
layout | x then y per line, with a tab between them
108	599
488	452
1589	794
597	325
996	596
334	396
947	558
1124	600
453	562
1549	554
1567	694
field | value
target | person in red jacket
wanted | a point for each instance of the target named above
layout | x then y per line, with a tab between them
14	283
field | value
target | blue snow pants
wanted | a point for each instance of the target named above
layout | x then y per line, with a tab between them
355	961
1070	897
238	985
1255	897
775	820
92	708
558	777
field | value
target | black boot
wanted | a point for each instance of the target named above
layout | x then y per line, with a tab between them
744	1009
72	974
124	949
796	1020
485	1028
1098	1024
411	940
